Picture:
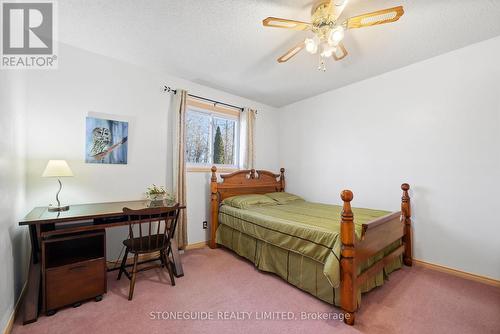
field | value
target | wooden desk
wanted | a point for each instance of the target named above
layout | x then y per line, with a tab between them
82	217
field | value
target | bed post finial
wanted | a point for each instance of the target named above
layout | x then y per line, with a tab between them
214	176
406	220
282	178
214	207
348	297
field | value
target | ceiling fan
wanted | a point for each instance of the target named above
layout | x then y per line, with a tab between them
329	29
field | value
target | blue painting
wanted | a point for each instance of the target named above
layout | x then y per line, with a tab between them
106	141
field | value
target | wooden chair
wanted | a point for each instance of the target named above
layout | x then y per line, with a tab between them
154	239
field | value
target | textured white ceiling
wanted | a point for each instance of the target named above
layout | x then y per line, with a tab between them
222	43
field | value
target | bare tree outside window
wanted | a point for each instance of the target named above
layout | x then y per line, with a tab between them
210	139
197	138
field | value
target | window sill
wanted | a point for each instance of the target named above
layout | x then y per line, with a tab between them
209	169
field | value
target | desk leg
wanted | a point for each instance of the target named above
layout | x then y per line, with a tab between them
31	299
178	272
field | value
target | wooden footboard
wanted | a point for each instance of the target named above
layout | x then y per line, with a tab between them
375	236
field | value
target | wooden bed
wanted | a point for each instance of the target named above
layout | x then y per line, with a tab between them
376	234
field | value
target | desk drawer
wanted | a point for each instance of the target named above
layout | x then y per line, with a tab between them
74	282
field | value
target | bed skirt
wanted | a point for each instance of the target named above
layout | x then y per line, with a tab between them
297	269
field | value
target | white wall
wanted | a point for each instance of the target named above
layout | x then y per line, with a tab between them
14	243
59	101
434	124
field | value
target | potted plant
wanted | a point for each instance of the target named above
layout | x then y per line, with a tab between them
157	195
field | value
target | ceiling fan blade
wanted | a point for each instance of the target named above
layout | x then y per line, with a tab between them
379	17
276	22
292	52
340	53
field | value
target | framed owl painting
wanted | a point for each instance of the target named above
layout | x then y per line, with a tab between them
106	141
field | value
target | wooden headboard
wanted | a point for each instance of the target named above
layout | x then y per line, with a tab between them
242	182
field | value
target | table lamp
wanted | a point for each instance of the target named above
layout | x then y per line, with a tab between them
57	168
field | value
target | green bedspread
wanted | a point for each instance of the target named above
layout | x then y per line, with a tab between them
309	229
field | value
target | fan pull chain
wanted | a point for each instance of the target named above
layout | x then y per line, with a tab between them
322	64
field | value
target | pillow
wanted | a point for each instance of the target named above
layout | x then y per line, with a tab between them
245	201
284	198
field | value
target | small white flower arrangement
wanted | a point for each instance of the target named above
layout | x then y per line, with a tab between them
158	193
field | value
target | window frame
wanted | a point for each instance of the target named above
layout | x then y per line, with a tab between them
220	113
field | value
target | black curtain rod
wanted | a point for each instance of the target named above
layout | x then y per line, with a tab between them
170	90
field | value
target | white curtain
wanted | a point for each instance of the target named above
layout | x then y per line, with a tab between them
247	135
178	108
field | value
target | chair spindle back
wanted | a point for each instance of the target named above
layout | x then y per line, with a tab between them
165	219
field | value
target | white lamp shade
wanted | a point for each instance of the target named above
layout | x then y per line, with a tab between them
57	168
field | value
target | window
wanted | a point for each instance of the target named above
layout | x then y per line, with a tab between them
211	137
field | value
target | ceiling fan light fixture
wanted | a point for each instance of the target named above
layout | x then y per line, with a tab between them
336	35
327	27
311	45
328	50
